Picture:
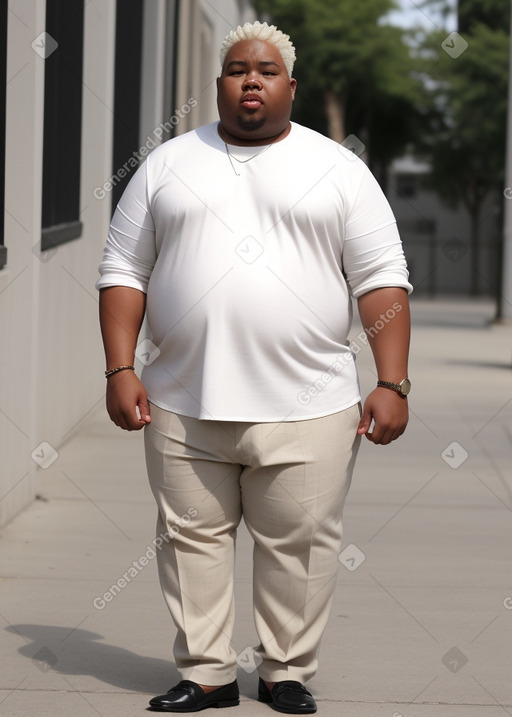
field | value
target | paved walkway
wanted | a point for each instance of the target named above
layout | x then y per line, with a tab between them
422	620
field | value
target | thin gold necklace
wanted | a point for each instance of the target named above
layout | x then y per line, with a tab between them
243	161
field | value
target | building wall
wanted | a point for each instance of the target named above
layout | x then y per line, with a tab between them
204	24
20	279
51	360
436	237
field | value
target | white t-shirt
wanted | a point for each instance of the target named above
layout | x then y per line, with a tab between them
248	268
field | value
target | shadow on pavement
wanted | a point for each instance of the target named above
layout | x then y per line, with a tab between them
80	652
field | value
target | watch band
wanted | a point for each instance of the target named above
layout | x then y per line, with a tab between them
403	388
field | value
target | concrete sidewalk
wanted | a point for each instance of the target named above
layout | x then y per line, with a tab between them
422	620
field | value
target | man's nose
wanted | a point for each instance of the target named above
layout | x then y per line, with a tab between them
251	81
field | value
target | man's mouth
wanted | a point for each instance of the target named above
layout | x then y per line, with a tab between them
252	102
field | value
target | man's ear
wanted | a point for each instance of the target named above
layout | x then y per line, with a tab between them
217	83
293	87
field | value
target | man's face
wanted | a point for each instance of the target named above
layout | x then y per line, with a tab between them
255	93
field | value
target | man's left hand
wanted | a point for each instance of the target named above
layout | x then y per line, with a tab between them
390	413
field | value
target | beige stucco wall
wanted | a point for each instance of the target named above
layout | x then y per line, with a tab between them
51	360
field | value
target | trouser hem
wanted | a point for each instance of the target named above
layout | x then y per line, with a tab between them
205	676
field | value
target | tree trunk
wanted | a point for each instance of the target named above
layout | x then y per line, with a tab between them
335	112
474	233
381	174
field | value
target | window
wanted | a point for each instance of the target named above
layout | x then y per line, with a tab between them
3	92
127	91
62	46
406	186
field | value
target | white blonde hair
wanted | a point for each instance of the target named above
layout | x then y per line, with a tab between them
261	31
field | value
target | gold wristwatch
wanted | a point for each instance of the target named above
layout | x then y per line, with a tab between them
403	388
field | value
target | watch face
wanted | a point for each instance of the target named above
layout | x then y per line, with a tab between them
405	387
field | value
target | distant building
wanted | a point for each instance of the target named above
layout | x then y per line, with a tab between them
87	89
437	238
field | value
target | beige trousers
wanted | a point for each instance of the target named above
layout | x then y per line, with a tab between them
289	480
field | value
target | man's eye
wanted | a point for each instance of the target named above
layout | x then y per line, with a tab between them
236	72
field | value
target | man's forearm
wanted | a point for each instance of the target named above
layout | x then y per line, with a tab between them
386	319
121	315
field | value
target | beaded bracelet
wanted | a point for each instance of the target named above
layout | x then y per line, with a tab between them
116	370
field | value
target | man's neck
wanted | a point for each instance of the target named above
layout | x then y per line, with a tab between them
247	141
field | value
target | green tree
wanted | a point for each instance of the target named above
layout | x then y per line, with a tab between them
353	71
468	109
494	14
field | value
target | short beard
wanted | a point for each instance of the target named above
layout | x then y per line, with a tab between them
250	125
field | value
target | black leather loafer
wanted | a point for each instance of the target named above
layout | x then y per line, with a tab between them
288	696
187	696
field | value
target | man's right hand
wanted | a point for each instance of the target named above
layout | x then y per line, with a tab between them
126	394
